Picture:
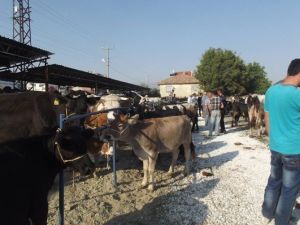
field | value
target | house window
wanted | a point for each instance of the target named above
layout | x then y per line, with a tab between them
169	88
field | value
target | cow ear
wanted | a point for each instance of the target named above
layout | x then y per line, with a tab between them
87	133
133	120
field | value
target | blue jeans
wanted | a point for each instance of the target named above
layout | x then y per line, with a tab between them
214	122
282	188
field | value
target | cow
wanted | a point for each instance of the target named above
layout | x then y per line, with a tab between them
78	102
31	114
150	137
238	109
99	148
171	110
33	150
28	168
256	114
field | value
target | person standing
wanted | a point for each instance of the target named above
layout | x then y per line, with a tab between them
189	99
282	120
172	98
222	110
194	102
200	103
205	107
215	114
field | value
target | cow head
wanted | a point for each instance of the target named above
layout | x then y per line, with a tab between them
71	147
119	127
79	101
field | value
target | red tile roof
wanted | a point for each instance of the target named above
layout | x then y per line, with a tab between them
180	79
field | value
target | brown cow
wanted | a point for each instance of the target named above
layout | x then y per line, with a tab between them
98	148
152	136
32	152
25	115
32	114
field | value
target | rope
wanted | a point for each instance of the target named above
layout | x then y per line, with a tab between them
58	149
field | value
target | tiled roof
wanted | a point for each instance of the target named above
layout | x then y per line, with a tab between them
179	79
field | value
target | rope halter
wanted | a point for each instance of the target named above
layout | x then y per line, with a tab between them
58	149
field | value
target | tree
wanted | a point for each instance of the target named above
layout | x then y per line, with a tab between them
152	92
220	68
258	81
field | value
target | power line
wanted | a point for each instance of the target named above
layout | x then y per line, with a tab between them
44	9
66	20
72	26
107	60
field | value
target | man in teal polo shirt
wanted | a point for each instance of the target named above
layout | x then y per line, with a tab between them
282	119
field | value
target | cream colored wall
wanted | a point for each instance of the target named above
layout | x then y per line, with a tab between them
181	90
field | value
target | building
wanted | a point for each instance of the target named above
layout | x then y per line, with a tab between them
183	84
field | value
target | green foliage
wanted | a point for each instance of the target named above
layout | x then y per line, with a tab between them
154	92
220	68
258	81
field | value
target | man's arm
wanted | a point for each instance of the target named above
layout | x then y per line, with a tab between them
267	126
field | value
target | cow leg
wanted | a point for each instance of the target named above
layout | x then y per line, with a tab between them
174	159
152	162
251	131
187	155
39	212
145	168
258	129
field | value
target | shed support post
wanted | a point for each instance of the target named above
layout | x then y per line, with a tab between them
114	164
61	182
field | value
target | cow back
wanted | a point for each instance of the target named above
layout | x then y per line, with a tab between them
159	135
24	115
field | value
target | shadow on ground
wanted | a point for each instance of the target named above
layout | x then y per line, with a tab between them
211	146
181	207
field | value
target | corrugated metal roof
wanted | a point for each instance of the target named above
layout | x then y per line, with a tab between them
65	76
12	52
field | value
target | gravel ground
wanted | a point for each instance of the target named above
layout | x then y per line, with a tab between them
239	166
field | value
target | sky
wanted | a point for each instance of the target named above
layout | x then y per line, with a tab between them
151	39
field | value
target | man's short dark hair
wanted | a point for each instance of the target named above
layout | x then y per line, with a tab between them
294	67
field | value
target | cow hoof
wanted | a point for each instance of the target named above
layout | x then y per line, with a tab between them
144	184
186	173
170	174
151	187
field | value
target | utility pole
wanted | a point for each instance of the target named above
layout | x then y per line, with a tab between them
21	21
107	61
21	31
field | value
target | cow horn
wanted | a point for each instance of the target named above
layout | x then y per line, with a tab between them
137	94
93	96
75	96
